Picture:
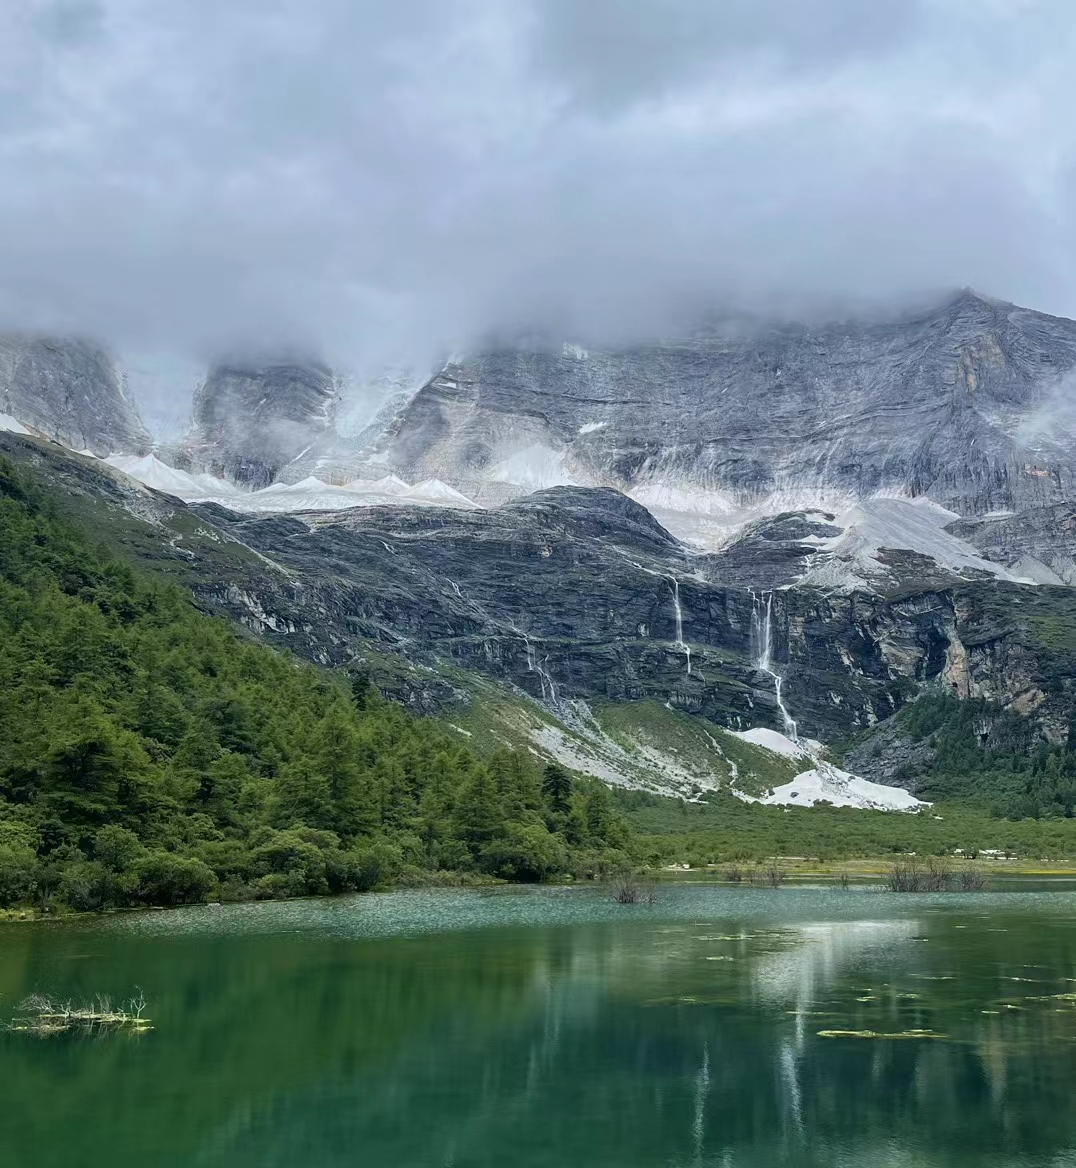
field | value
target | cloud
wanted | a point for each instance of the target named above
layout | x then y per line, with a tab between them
607	54
388	179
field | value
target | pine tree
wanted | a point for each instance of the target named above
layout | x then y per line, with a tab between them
362	688
557	788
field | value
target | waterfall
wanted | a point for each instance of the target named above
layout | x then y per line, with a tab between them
680	642
546	680
762	636
548	688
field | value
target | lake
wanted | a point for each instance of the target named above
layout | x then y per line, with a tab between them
552	1028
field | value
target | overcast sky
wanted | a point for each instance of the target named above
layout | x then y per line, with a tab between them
376	178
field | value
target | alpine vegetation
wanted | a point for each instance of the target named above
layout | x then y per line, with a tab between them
152	755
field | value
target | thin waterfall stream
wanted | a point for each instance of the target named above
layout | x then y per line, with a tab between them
762	636
549	689
678	612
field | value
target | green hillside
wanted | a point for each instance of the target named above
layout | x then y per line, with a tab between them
152	755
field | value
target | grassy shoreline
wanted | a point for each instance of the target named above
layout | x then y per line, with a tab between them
797	868
796	871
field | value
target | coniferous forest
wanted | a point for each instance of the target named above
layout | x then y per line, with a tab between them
151	755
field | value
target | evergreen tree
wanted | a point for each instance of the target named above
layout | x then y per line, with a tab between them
362	688
478	814
557	788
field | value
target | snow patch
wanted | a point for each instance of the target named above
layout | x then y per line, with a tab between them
772	740
386	485
1029	570
690	501
711	520
434	491
823	782
309	494
829	784
536	468
12	425
151	472
916	525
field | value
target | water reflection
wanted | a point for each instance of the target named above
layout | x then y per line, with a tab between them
817	954
673	1038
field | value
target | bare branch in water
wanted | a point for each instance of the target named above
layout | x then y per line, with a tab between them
41	1015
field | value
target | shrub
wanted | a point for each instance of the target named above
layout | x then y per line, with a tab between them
18	875
87	887
771	876
288	854
526	852
633	890
167	879
372	865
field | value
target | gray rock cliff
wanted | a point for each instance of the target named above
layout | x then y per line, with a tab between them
959	403
253	420
578	593
70	391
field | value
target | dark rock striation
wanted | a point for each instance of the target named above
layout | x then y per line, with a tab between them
569	596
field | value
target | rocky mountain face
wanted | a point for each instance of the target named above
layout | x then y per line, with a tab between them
253	420
69	390
965	403
1040	542
580	594
836	518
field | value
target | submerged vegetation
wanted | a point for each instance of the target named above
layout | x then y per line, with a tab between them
878	1034
632	889
933	876
151	755
44	1016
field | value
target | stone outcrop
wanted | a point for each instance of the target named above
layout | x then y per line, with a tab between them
574	593
1039	543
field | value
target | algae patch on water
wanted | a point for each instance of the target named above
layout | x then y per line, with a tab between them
880	1034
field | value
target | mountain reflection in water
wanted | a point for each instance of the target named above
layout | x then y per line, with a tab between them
548	1029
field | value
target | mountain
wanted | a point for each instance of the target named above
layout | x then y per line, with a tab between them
965	404
573	624
791	529
152	755
69	390
252	420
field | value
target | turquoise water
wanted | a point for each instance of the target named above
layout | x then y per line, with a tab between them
553	1028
